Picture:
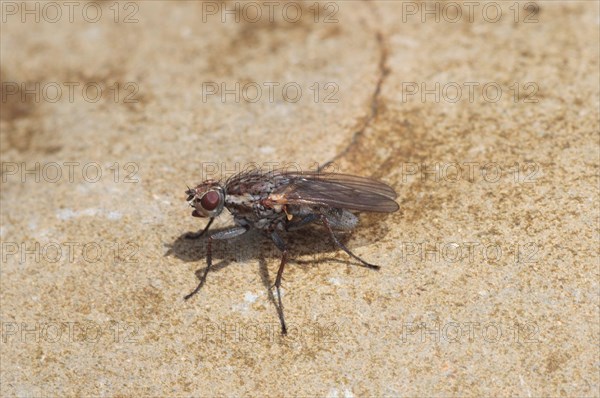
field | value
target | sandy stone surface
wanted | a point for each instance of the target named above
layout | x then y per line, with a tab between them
483	117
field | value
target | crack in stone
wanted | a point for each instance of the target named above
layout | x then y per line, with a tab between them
383	72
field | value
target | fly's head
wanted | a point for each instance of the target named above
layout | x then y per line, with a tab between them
207	199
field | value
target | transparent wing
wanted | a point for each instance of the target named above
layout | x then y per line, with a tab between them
336	191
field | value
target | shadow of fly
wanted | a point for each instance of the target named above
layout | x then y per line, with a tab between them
277	201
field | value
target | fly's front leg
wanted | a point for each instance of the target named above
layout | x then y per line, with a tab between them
281	246
341	245
196	235
227	234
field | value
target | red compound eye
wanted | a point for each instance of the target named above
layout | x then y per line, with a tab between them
210	200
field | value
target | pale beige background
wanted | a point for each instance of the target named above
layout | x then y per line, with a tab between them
520	322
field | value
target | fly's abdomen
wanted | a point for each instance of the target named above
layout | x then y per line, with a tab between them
341	218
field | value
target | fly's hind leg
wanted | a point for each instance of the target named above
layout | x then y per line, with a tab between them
281	246
227	234
342	246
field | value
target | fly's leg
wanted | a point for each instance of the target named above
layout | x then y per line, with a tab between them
281	246
297	224
196	235
227	234
341	245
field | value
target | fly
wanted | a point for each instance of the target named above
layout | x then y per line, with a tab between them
277	201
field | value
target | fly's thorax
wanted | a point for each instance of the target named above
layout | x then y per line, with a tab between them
241	199
254	210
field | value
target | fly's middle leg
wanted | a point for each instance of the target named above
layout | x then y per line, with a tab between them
342	246
282	247
294	225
